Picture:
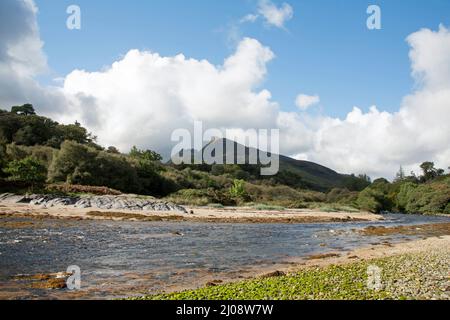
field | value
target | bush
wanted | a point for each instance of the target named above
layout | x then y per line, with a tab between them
432	197
371	200
429	198
342	196
28	170
379	196
238	189
202	197
191	197
79	164
74	164
405	195
43	154
74	188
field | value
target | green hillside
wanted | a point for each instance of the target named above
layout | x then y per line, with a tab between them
38	154
294	173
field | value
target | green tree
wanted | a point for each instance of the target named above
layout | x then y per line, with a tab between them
430	172
114	171
26	109
112	149
28	170
74	132
356	183
33	130
148	155
2	154
405	195
74	163
379	196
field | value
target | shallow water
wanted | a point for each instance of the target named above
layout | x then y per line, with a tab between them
124	258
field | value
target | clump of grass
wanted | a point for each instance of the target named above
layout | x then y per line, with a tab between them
328	209
298	205
264	207
337	208
216	205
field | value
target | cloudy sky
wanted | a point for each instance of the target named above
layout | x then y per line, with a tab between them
353	99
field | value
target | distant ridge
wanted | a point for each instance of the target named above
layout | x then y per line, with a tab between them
300	173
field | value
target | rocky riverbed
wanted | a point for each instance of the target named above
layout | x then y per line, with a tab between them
122	258
116	202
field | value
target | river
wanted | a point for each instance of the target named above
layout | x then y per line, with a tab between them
119	259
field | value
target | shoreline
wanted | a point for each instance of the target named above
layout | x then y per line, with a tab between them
381	254
193	214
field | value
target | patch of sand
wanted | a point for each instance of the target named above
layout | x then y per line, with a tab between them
212	215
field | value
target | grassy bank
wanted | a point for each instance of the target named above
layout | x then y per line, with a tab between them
409	276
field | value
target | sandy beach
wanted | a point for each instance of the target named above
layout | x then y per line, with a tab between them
194	214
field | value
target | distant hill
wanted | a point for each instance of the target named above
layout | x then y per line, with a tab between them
292	172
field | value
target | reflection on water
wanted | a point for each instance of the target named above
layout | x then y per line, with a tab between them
122	258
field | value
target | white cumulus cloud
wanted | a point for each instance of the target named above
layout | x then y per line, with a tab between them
141	98
304	101
274	15
379	142
22	58
249	18
144	96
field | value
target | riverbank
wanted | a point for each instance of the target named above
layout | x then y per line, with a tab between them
413	270
208	215
132	208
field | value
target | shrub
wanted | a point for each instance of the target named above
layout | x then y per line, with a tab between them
371	200
190	197
432	197
342	196
429	198
27	170
74	188
263	207
405	195
379	196
238	189
75	163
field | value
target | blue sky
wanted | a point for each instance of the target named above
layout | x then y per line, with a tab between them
322	47
326	48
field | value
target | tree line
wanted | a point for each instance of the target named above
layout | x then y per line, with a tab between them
428	193
36	149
